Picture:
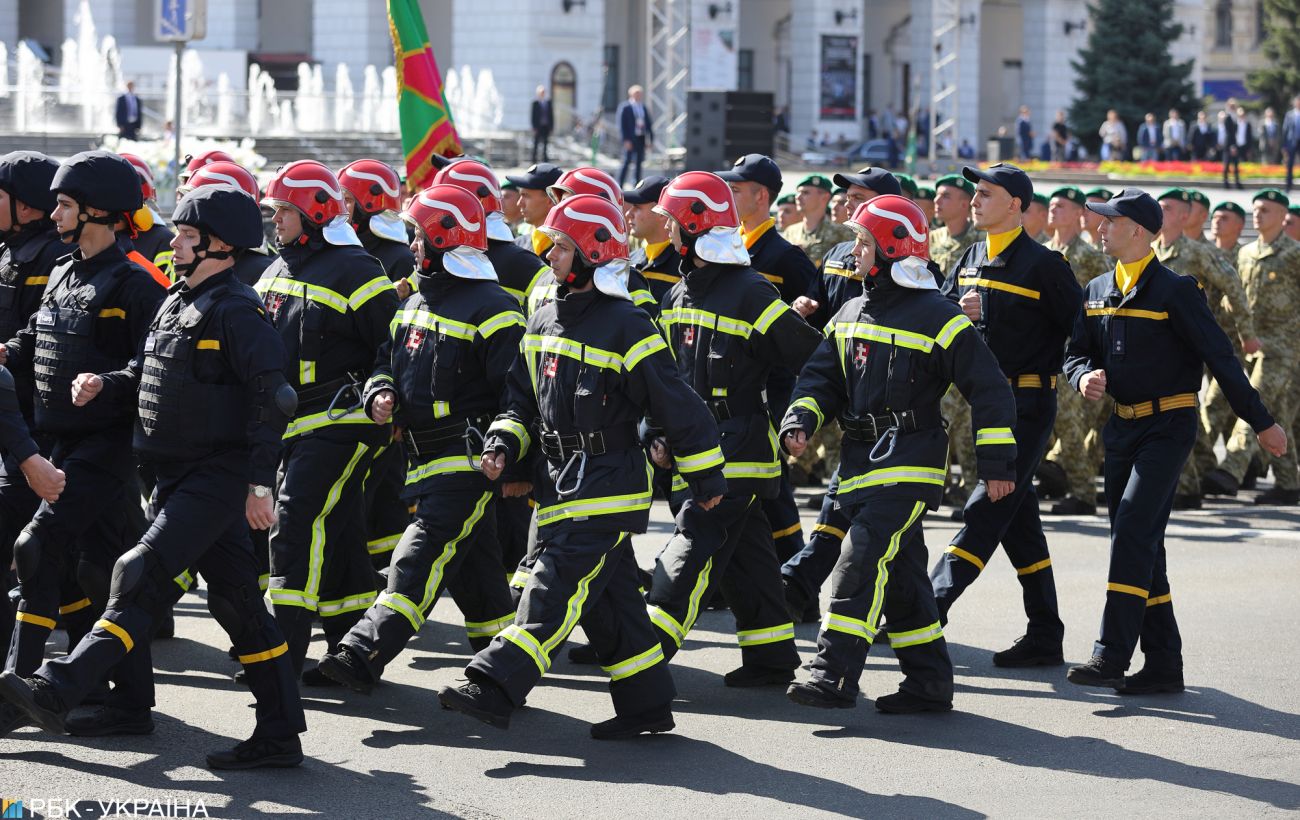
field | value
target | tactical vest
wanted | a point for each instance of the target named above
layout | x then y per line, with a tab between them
181	418
12	317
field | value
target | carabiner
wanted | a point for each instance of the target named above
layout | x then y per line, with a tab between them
356	391
581	458
475	458
890	435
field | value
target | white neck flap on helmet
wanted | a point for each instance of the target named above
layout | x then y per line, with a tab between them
388	225
468	263
912	272
725	246
611	279
338	231
498	228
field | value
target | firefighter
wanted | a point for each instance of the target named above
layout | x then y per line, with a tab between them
656	260
210	415
728	329
887	360
154	238
591	365
250	263
194	162
331	303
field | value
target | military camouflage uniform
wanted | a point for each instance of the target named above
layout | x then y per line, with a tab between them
1217	418
818	242
1271	276
945	250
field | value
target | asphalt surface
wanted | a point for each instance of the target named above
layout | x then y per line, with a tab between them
1020	742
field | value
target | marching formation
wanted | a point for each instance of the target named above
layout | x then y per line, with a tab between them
479	388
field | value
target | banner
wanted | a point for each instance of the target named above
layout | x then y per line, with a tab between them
714	63
426	124
839	77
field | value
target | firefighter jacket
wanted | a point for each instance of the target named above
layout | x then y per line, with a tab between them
396	257
519	270
660	266
838	280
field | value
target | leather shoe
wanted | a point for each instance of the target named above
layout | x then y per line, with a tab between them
820	695
36	697
626	727
259	753
1025	652
1073	506
111	720
485	701
1219	482
746	677
1097	672
905	703
344	667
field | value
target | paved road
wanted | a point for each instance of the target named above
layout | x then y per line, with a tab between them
1019	742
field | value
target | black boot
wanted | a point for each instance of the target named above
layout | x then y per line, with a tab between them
111	720
1097	672
36	697
1187	501
482	700
583	655
1026	652
1052	480
905	703
626	727
315	677
1278	497
1219	482
259	753
1073	506
820	695
746	677
11	718
1152	681
344	667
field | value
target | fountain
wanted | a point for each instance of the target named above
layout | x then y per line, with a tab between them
29	97
344	104
388	118
225	103
370	102
4	70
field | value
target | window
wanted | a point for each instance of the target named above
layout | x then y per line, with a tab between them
610	97
745	69
1223	24
1261	22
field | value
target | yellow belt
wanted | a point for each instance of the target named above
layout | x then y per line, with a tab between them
1161	405
1031	380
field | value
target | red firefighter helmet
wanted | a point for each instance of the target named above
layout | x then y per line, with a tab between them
194	162
586	180
226	173
897	224
449	217
374	184
308	186
699	201
593	224
146	175
476	178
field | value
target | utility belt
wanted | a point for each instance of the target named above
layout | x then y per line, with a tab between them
572	449
438	437
1164	404
337	396
733	407
1033	381
872	428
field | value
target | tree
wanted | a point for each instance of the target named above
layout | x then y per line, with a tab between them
1278	83
1127	66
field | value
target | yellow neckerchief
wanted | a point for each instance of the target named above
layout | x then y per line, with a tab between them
654	249
753	236
541	242
1126	276
998	242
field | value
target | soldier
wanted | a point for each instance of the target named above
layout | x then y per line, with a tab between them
1196	218
1036	219
1268	272
816	233
510	207
839	205
154	237
1226	224
1092	221
1292	224
1023	300
251	262
925	201
787	212
908	186
211	413
1076	456
656	259
1145	337
534	203
591	365
894	452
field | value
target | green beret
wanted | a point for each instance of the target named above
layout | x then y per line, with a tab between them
1100	193
839	191
956	181
816	181
1180	194
1198	197
908	185
1295	209
785	199
1040	199
1070	193
1230	207
1272	195
925	192
509	185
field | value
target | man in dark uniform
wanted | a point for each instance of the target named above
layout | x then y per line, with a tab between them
1145	336
656	260
535	203
250	262
887	359
591	366
212	402
1023	299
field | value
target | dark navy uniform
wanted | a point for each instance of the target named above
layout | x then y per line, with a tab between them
729	329
660	266
251	264
1153	344
1030	299
887	359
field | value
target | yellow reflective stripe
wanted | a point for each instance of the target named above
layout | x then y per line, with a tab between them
635	664
892	475
439	466
810	404
642	349
342	606
574	609
184	581
609	360
75	606
949	331
501	321
441	409
1160	599
427	320
315	421
112	313
996	285
381	545
791	530
696	598
403	606
515	429
994	435
292	597
117	632
316	548
37	280
306	372
304	290
886	335
520	579
488	629
953	549
667	623
537	277
703	318
771	634
518	636
679	483
35	620
699	461
258	657
882	566
588	507
641	297
661	277
834	532
770	315
264	581
1034	567
1133	313
916	637
209	344
448	553
369	291
849	626
1125	588
752	469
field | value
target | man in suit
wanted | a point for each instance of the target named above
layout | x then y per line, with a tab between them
1202	137
1229	145
1291	139
543	120
637	131
1174	137
129	114
1149	138
1270	138
1025	133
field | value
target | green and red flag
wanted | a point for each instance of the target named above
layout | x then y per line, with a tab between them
425	117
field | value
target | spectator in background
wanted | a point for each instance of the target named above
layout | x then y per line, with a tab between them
1173	137
543	120
637	131
1149	138
781	121
1291	139
130	115
1114	137
1201	140
1060	137
1024	134
1270	138
966	150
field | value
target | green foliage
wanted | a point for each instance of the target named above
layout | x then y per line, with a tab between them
1278	83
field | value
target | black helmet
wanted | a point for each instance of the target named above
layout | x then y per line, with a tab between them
100	179
224	211
26	176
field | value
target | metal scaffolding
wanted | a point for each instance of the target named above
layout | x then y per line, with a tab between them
668	62
945	44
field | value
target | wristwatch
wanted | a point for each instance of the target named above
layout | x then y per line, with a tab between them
259	490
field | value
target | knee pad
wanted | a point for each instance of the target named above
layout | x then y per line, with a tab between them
27	555
229	607
138	579
94	580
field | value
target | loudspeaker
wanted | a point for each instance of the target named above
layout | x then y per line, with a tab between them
722	126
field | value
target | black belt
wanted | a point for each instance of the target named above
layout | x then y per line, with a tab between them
432	439
870	428
314	394
734	407
560	447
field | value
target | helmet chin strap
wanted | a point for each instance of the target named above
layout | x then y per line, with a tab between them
202	251
874	276
431	265
580	273
73	236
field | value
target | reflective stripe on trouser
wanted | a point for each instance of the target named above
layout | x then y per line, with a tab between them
1275	377
318	549
883	572
806	571
1012	522
387	513
449	524
587	577
1143	460
201	525
732	544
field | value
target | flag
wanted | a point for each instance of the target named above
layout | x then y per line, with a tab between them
425	117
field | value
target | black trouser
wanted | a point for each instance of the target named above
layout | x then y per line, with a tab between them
387	512
17	506
1232	159
883	572
807	570
632	159
200	524
588	578
318	547
732	541
453	520
514	518
1013	522
541	140
781	511
1143	460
